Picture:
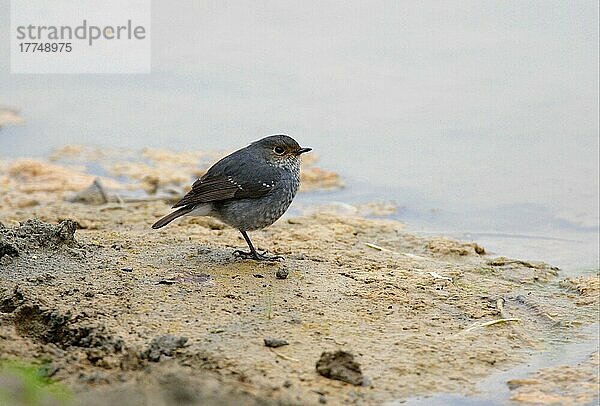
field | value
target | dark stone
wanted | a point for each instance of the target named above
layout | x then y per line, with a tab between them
275	342
93	194
12	301
282	273
8	249
340	365
164	345
66	231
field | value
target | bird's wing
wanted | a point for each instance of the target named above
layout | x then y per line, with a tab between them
229	179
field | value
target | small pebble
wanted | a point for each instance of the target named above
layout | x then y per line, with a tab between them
257	275
282	273
127	269
340	366
275	342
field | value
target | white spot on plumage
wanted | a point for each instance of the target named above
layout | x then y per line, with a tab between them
230	179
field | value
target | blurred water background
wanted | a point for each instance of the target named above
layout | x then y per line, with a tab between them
478	119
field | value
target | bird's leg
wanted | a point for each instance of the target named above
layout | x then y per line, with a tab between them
253	254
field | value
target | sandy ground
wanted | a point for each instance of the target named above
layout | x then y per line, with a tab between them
116	310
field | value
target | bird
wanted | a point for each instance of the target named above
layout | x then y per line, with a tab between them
248	190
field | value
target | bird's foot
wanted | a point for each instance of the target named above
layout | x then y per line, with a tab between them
256	256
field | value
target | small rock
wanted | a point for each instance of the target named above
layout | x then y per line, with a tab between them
282	273
322	399
127	269
164	345
257	275
66	231
12	301
93	194
274	342
8	249
340	365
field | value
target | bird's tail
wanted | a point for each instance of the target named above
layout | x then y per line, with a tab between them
172	216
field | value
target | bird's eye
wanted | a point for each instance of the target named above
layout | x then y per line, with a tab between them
278	150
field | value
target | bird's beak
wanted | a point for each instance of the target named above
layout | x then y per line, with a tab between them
302	150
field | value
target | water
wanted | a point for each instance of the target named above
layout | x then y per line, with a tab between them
480	121
493	389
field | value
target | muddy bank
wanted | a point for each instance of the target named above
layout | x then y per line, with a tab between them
123	175
109	306
564	384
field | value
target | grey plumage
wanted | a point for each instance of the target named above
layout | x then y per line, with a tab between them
248	189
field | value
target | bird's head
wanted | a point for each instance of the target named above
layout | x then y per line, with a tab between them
281	150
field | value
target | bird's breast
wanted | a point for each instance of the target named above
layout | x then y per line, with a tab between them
261	212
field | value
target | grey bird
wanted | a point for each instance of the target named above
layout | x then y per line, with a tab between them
248	190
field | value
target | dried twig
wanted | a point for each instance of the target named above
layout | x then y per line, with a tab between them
285	357
406	254
487	324
377	247
438	276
